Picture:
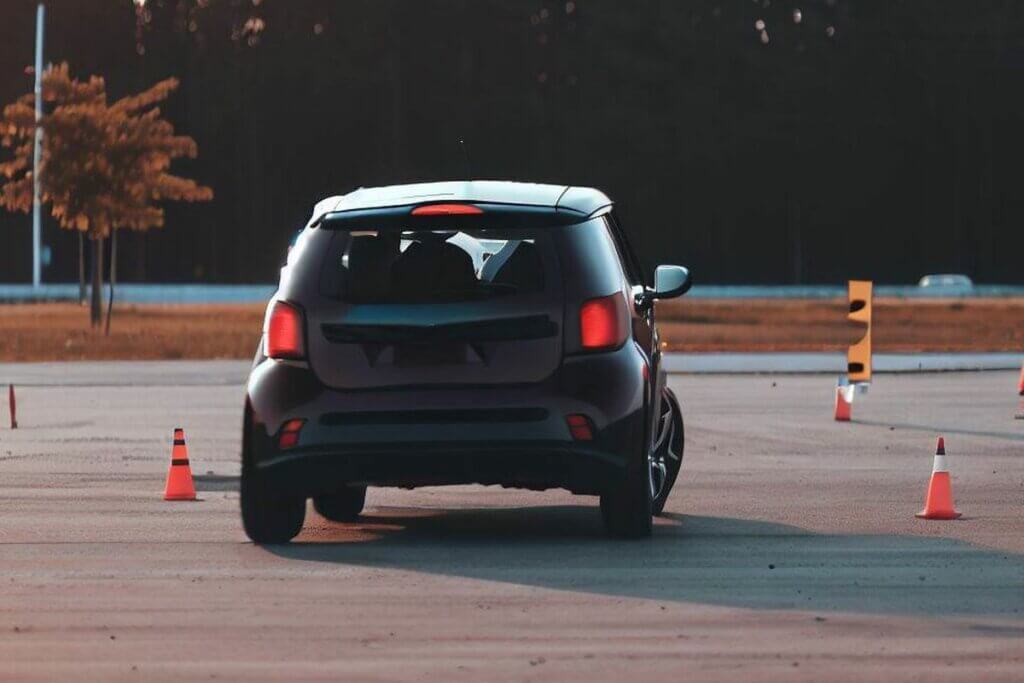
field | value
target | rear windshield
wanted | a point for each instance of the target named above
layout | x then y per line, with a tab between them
436	266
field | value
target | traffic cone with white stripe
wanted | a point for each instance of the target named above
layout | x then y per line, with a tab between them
1020	391
939	502
179	484
844	401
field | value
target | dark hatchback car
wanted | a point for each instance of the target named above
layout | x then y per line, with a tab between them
460	332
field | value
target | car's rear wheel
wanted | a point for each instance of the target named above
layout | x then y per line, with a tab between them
667	450
267	517
627	510
343	506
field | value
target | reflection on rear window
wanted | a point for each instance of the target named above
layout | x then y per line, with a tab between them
437	266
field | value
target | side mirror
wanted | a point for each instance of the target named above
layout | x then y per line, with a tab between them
670	282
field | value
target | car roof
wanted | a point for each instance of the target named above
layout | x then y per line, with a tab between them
584	200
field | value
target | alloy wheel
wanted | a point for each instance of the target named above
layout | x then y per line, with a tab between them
661	449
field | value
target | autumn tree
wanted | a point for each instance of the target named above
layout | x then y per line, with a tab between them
104	166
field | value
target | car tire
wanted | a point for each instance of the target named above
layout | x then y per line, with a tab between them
343	506
269	518
628	514
628	510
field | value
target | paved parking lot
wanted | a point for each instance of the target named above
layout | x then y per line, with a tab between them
790	552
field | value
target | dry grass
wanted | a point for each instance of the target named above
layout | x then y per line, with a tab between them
38	332
46	332
821	325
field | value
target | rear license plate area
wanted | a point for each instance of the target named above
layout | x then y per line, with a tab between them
428	355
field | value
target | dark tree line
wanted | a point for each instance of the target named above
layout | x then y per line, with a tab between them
757	141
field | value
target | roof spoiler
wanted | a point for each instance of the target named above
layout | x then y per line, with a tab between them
492	215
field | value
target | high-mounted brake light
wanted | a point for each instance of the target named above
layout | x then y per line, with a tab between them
447	210
603	323
285	337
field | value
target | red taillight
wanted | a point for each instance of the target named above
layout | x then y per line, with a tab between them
284	333
603	323
289	437
447	210
579	427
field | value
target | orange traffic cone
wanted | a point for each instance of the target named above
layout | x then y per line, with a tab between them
939	502
1020	384
844	400
179	478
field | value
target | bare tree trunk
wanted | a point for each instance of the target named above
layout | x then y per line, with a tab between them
96	298
113	276
81	268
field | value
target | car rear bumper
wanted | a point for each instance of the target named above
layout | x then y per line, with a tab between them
314	471
513	435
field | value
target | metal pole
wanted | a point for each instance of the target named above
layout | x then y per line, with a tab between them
37	219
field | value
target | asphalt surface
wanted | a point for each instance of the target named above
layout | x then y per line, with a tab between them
791	551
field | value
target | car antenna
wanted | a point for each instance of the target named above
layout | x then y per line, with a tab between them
465	156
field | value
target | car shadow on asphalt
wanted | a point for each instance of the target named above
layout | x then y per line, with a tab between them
698	559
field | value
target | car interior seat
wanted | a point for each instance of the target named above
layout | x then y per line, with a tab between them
521	269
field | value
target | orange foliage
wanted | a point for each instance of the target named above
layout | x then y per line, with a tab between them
103	165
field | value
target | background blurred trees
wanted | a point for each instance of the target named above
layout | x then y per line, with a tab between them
758	141
103	165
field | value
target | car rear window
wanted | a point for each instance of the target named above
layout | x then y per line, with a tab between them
436	265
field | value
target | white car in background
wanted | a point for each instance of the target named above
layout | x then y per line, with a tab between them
952	282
